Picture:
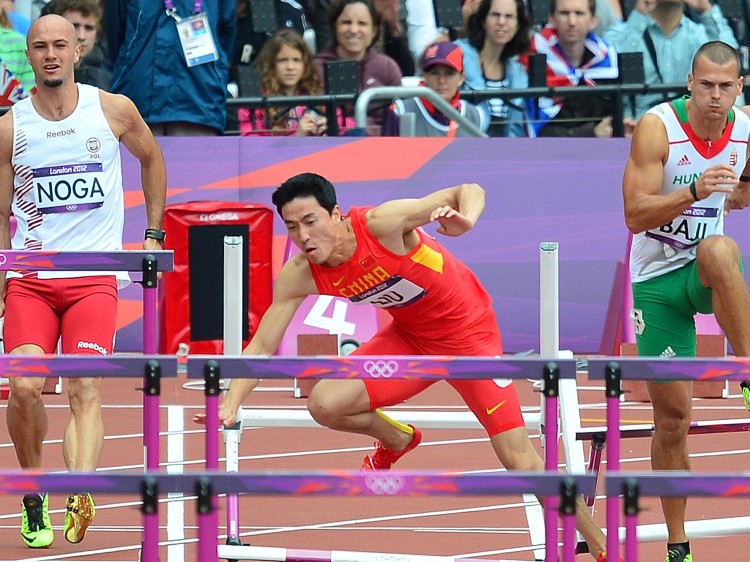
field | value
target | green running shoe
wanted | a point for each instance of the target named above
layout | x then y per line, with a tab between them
80	511
36	528
745	388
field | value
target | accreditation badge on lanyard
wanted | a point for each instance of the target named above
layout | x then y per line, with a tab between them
196	38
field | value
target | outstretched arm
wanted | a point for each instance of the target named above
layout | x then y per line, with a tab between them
292	286
457	209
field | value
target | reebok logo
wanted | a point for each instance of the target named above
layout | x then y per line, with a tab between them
684	161
495	408
91	345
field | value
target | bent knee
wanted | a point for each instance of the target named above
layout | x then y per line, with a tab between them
718	249
332	401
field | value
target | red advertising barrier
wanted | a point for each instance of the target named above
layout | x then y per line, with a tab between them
192	296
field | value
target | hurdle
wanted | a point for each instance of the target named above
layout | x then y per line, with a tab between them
668	484
309	484
549	346
361	366
152	369
149	264
614	369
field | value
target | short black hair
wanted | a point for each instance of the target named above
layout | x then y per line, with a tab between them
719	53
305	185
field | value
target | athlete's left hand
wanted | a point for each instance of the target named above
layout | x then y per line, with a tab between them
738	199
452	223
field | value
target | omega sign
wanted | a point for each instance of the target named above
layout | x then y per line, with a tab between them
219	217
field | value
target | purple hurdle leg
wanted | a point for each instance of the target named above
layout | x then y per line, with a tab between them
149	497
551	392
613	391
150	401
630	493
568	493
207	521
210	518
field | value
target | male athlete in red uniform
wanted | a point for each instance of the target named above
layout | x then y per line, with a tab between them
379	256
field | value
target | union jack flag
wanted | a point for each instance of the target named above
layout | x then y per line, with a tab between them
11	90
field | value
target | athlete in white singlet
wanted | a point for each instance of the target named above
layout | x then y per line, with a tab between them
60	174
687	168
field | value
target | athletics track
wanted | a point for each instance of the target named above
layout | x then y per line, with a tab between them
477	527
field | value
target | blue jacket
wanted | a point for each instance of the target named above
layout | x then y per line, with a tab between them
517	78
150	67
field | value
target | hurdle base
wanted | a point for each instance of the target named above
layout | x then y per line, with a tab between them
275	554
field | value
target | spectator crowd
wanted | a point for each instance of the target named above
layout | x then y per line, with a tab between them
181	60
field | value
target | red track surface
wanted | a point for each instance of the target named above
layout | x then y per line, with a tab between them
489	527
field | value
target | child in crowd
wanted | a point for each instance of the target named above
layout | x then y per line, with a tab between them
286	68
443	70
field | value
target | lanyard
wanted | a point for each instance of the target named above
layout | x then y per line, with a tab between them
172	11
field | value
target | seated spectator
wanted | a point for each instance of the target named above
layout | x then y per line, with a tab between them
248	42
668	40
442	68
20	82
286	68
575	57
86	17
496	34
392	40
355	25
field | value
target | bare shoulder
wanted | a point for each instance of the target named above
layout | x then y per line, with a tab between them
650	139
745	109
120	112
295	279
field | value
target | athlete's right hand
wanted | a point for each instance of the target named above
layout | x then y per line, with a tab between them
717	179
226	418
452	223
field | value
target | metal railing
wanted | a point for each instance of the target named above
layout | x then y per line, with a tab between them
622	94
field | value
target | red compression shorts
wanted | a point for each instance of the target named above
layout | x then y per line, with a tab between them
495	405
81	310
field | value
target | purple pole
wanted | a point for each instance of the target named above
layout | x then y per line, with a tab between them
150	403
551	392
568	493
209	521
569	538
630	493
208	550
613	391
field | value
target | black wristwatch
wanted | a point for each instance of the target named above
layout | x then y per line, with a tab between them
155	234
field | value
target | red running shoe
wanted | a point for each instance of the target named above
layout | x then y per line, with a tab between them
384	458
603	557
